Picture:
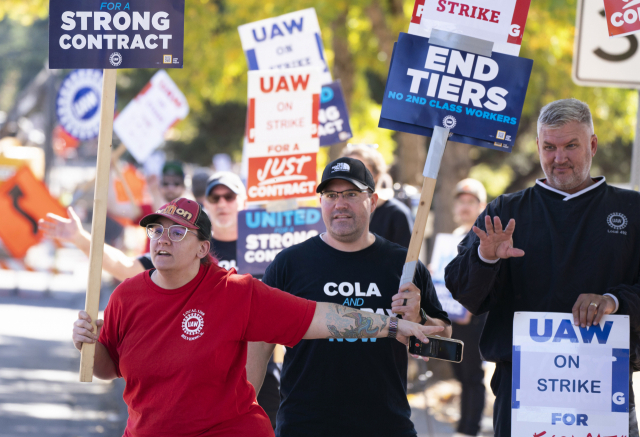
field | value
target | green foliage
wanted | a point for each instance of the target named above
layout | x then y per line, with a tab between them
214	79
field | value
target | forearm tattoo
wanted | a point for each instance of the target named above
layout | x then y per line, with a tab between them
345	322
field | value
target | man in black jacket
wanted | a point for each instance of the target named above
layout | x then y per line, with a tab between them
580	238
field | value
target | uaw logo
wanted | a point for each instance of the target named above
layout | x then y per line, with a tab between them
617	221
449	122
341	166
192	325
78	103
115	59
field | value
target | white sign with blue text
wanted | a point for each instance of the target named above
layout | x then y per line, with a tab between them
445	249
288	41
569	380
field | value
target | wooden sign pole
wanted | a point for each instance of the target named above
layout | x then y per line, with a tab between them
430	173
99	221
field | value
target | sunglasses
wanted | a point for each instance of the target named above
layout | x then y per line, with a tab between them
175	232
229	197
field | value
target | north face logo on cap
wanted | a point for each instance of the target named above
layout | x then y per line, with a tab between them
341	166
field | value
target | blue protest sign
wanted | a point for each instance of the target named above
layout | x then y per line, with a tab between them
478	98
106	34
78	103
262	235
333	116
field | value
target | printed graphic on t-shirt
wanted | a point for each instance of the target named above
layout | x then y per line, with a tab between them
355	296
193	325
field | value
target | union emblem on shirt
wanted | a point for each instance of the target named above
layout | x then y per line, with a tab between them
192	325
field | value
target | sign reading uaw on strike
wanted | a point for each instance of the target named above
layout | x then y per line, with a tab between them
569	380
478	98
282	133
123	34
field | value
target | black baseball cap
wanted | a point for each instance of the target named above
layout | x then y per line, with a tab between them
349	169
173	168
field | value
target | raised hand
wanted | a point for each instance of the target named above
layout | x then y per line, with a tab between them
60	228
497	243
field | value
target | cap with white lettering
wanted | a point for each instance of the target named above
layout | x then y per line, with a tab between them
348	169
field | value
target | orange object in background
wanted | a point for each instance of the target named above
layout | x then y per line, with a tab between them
137	183
63	141
23	201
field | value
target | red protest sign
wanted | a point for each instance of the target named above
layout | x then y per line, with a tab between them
281	177
623	16
24	200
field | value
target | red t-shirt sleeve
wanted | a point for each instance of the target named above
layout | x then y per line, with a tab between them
277	317
109	336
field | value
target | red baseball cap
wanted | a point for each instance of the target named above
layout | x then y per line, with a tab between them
183	211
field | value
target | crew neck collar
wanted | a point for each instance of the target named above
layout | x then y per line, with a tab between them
323	244
188	286
568	196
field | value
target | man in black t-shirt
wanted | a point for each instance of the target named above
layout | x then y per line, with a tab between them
575	250
365	394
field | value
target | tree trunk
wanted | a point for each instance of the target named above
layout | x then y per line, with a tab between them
343	67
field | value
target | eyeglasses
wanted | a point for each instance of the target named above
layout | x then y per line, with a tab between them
175	232
351	196
229	197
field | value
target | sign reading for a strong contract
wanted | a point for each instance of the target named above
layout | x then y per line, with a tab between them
569	380
478	98
262	235
108	34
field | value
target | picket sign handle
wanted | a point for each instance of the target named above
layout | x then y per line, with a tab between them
430	173
99	221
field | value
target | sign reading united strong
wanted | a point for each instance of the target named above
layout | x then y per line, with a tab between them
105	34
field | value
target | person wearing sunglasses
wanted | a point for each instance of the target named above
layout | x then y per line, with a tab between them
354	387
178	333
224	197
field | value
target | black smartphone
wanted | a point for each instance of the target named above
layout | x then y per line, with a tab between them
438	348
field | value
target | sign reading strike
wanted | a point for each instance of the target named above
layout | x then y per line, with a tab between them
282	134
478	98
333	117
622	18
107	34
499	21
288	41
262	235
569	380
445	249
143	122
78	103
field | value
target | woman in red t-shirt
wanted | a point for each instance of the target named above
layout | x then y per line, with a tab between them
178	333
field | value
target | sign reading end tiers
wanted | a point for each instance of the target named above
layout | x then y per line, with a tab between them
127	34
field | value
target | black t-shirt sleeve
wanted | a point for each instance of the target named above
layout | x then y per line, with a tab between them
271	275
429	299
145	260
